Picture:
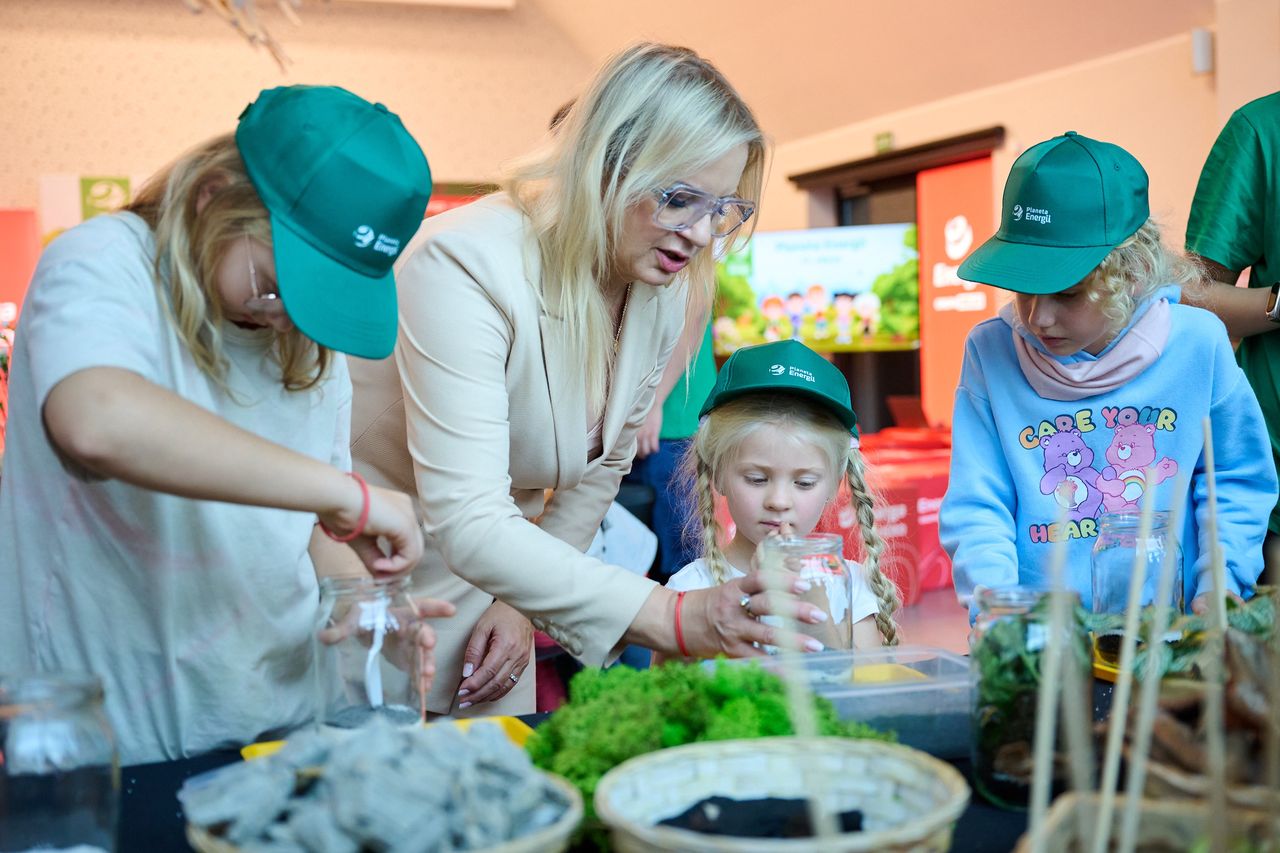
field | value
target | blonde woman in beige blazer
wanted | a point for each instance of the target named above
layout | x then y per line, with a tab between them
531	342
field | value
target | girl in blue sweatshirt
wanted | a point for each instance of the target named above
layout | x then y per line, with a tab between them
1091	378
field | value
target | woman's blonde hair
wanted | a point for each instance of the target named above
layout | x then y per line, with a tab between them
715	448
191	242
653	114
1135	269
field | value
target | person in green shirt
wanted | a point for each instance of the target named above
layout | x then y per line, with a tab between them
1234	224
662	440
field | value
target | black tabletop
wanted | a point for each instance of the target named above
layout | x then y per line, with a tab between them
151	819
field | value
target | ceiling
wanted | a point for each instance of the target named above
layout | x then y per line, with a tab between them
866	59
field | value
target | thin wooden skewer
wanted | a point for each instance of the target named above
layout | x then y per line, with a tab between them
800	700
1124	679
1047	697
1141	739
1215	649
1079	741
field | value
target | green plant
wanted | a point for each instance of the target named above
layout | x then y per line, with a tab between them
1009	654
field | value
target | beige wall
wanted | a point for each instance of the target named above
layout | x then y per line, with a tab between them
1247	52
1147	100
122	86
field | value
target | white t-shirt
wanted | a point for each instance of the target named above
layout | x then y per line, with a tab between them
697	575
197	615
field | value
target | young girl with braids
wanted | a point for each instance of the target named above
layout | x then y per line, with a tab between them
775	442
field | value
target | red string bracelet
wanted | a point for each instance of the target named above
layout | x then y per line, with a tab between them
364	513
680	633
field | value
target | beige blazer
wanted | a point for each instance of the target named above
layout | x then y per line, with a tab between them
480	412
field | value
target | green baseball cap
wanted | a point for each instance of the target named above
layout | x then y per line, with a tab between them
785	367
1068	202
346	187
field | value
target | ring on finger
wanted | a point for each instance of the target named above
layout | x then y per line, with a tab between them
745	604
515	679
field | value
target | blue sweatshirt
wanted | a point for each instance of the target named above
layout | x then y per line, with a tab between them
999	519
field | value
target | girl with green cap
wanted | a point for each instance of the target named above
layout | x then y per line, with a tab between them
177	437
1091	387
776	442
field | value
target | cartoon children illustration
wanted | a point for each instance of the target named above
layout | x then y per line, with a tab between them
795	312
843	302
774	312
868	307
819	306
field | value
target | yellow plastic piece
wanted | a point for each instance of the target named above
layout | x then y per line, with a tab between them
513	727
879	672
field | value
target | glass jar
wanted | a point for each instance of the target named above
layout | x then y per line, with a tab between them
818	559
367	652
1006	656
59	771
1113	559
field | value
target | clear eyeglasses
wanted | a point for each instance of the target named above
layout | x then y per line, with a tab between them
267	308
681	206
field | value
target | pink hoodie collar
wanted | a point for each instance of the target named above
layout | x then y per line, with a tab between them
1129	355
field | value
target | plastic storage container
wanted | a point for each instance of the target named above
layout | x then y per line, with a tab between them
921	692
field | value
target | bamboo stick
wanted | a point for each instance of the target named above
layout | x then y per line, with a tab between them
1124	680
1141	739
1215	649
800	701
1079	739
1047	696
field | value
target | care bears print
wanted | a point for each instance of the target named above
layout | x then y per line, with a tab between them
1086	482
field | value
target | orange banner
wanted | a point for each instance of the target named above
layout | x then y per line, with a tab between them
954	211
20	249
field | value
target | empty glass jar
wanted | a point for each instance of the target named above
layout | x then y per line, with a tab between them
1114	552
818	559
1113	560
59	772
368	655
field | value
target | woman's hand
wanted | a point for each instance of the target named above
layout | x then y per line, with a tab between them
717	621
496	655
649	433
391	516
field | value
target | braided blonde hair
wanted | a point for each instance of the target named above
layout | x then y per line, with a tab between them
715	447
864	505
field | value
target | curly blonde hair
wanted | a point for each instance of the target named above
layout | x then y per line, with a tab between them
1134	270
190	243
653	114
715	447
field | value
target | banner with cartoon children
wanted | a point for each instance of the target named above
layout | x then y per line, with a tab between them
835	289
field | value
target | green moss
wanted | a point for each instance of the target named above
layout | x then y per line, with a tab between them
619	713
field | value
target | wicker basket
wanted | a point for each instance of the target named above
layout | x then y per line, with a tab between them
549	839
910	800
1163	826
